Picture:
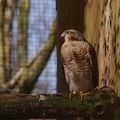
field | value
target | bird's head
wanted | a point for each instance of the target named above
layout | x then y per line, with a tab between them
72	34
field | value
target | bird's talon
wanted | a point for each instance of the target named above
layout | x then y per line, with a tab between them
83	94
72	94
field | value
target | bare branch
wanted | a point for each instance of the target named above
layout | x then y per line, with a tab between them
35	67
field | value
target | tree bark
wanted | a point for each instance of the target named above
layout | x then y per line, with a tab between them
23	6
2	55
115	46
102	23
96	105
8	18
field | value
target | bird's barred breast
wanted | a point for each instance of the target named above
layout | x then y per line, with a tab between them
74	51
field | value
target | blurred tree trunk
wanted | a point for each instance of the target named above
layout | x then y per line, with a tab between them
22	53
2	55
23	6
8	19
69	15
102	23
116	34
93	17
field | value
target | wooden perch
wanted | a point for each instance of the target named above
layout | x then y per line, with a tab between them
98	104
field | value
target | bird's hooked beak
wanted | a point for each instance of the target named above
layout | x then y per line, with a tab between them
63	35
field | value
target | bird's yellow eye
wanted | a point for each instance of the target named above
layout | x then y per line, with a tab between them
69	32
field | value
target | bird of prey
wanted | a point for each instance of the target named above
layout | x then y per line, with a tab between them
79	62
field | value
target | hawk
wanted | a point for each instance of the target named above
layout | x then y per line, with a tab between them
79	62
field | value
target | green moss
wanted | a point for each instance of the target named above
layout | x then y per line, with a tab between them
7	106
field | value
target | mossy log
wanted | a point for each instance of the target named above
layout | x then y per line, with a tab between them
99	104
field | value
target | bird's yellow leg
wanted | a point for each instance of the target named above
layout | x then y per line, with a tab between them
82	94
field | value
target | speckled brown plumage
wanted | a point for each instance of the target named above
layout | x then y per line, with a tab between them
79	62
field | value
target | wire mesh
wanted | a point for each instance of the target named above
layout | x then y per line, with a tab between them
40	21
41	16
